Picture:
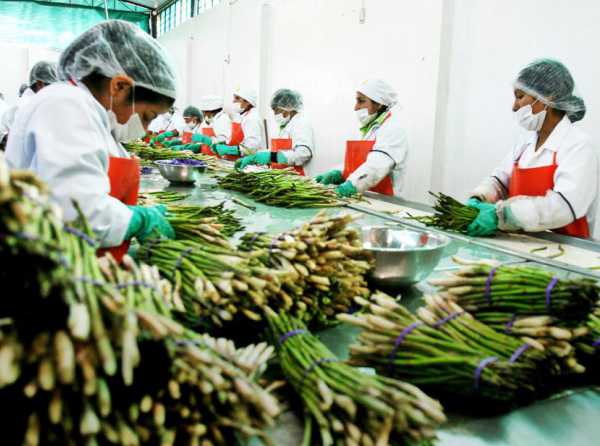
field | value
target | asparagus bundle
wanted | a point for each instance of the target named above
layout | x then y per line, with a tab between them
451	215
160	197
446	351
590	345
312	272
198	221
283	188
149	154
89	353
525	301
349	406
325	259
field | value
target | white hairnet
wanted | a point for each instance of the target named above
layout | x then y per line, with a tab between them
379	91
117	47
248	94
550	82
210	102
44	72
286	99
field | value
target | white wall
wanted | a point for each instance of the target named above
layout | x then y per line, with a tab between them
19	60
452	62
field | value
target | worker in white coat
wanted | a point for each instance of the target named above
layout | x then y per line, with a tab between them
377	161
247	131
295	144
193	118
106	82
549	181
41	75
167	126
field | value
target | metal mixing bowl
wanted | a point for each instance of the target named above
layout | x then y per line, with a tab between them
179	173
402	256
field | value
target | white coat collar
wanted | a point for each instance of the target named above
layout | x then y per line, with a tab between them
556	138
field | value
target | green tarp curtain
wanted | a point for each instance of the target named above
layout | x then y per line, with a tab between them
54	25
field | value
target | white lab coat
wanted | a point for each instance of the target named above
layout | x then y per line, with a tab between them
63	135
253	129
300	131
388	156
8	117
221	125
575	181
167	122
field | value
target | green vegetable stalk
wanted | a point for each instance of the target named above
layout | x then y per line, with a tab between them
451	215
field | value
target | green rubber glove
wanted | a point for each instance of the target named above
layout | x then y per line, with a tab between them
346	189
147	221
162	137
201	139
331	177
191	147
173	142
486	222
281	158
222	149
245	161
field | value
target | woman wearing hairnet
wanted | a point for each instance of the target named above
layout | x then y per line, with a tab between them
247	134
41	75
550	179
295	144
191	134
114	74
167	126
216	125
377	161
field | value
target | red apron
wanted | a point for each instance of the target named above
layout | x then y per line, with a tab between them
535	182
356	155
207	131
279	145
186	138
124	176
237	136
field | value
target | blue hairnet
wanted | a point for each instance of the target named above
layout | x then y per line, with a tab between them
192	112
288	100
116	48
44	72
550	82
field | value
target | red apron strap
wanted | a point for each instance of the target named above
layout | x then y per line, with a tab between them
356	155
207	131
280	145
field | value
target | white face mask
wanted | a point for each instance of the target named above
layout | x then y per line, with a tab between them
529	121
133	129
208	119
363	116
237	108
282	120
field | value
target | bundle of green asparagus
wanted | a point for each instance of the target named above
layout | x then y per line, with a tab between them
160	197
447	352
590	345
525	301
281	188
190	222
451	215
89	353
312	272
149	154
350	407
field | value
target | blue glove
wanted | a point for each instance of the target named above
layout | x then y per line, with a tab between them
146	221
346	189
173	142
260	158
222	149
331	177
162	137
486	222
201	139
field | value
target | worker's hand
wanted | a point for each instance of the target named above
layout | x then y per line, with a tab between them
160	138
192	148
173	142
331	177
474	202
147	221
486	222
201	139
346	189
222	149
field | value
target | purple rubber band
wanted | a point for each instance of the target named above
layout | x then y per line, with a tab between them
90	281
596	343
400	339
139	283
448	318
148	248
182	255
313	366
479	370
254	237
82	235
509	325
549	288
289	334
488	285
518	352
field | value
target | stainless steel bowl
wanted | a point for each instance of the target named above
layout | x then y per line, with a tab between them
402	256
179	173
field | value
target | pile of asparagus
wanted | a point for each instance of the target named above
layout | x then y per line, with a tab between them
312	272
451	215
444	350
160	197
525	301
149	154
283	188
89	353
350	407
